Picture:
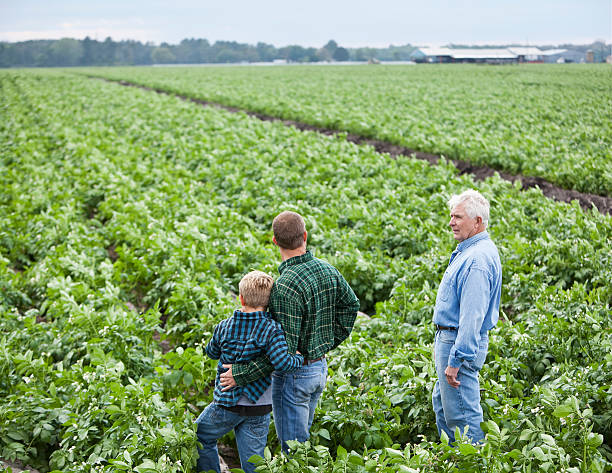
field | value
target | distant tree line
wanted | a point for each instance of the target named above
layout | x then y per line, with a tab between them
90	52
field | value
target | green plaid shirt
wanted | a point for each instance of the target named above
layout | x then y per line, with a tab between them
316	308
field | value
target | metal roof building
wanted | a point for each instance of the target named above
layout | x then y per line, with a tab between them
495	55
463	55
528	54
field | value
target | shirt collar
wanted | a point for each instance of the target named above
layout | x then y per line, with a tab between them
250	315
295	260
465	244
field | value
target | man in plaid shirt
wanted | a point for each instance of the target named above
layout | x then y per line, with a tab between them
248	333
317	309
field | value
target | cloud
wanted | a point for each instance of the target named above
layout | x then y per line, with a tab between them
100	29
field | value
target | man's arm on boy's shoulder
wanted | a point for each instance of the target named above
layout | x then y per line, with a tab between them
346	312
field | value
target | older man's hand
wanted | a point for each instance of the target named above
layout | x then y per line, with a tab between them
451	376
227	380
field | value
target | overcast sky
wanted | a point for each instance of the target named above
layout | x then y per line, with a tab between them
351	23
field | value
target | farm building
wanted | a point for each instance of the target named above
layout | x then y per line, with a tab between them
495	56
563	55
432	55
528	54
446	55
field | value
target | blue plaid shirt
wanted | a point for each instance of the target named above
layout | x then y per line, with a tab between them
242	337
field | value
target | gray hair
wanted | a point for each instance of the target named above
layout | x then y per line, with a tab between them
474	204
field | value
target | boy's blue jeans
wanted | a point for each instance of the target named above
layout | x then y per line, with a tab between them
251	436
458	407
294	399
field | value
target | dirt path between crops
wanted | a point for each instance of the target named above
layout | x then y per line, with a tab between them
586	201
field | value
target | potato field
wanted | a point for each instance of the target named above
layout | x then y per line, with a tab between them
127	218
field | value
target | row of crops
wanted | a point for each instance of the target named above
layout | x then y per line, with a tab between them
547	121
127	219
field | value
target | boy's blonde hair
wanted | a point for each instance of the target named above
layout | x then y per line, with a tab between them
255	288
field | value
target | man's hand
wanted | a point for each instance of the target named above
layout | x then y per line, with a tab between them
451	376
227	379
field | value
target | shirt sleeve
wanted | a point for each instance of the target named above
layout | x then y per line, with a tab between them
475	292
278	353
346	312
213	349
245	373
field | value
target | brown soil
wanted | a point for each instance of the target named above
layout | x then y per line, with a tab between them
228	457
16	466
112	252
163	344
550	190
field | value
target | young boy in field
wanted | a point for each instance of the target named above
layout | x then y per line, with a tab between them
248	333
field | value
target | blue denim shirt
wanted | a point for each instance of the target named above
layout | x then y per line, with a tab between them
469	294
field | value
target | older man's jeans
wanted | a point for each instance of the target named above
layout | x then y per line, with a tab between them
458	407
251	436
294	399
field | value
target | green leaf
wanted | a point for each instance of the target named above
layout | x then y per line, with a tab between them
594	440
406	469
563	411
467	449
147	466
112	409
538	453
355	459
393	453
548	440
526	434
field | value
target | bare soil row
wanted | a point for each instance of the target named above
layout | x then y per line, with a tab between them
550	190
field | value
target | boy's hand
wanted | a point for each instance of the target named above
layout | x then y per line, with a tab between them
227	379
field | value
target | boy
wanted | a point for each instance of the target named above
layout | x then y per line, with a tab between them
248	333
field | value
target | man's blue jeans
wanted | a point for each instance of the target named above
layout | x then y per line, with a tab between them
251	436
294	399
458	407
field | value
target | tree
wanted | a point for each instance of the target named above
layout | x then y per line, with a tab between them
163	55
266	52
341	54
107	51
331	46
66	52
89	52
294	53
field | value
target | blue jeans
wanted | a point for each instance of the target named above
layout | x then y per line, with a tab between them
458	407
251	436
294	399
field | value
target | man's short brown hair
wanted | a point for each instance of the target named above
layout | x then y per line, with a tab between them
255	289
289	228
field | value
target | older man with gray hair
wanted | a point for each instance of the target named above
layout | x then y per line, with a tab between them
467	307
